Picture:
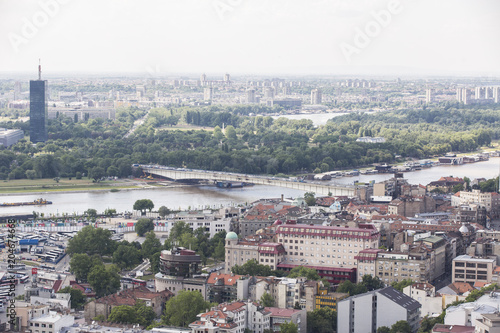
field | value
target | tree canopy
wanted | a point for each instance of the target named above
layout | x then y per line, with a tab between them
143	205
90	241
143	225
182	309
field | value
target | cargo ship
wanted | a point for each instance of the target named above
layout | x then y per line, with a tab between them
28	203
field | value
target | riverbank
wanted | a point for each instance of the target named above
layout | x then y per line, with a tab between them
44	186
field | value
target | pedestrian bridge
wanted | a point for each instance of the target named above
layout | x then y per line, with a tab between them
180	173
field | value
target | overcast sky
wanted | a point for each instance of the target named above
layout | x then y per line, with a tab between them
158	37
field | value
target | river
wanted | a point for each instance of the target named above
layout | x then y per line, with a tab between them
211	196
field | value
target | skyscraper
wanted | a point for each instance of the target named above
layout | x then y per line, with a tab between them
38	108
315	96
429	96
208	93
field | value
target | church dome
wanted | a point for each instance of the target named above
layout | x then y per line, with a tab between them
231	236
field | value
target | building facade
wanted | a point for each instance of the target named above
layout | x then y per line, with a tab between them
38	111
383	307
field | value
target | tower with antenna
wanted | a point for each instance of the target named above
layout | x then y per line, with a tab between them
38	108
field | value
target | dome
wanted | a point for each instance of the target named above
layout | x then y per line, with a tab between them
231	236
463	229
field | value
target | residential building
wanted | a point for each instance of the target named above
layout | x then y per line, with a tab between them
489	200
8	137
369	139
442	328
433	303
280	316
50	323
487	323
445	184
233	317
316	96
472	269
383	307
222	288
366	263
104	305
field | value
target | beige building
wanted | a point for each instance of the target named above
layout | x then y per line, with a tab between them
397	266
238	252
488	323
325	246
472	269
489	200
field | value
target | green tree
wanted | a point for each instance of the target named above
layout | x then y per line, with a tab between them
103	280
155	262
163	211
126	256
144	314
91	213
143	226
97	173
372	283
92	241
110	212
323	320
383	329
267	300
151	245
77	297
401	326
289	327
182	309
231	133
310	198
178	229
80	265
402	284
301	271
123	314
351	288
143	205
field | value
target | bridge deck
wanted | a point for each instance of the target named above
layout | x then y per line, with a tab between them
178	174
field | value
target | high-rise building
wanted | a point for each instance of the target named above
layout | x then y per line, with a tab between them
208	93
429	96
315	96
227	78
17	90
479	93
459	94
203	79
251	96
269	92
496	94
466	96
38	109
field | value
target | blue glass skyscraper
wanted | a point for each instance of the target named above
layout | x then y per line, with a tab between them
38	109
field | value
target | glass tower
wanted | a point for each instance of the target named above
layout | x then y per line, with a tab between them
38	111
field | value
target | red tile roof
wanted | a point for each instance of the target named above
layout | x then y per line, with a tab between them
228	279
279	312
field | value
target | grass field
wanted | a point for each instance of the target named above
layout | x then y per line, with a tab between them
64	184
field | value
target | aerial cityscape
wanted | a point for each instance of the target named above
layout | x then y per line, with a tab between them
229	166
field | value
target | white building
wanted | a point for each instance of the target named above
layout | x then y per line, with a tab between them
370	139
488	200
369	311
51	323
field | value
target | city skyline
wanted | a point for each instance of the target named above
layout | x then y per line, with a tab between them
319	37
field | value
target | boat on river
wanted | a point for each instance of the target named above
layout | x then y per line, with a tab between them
37	202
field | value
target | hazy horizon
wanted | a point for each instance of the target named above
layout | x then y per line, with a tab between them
153	38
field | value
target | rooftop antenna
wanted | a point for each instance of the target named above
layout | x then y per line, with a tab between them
39	69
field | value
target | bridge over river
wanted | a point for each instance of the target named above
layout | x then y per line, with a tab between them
179	174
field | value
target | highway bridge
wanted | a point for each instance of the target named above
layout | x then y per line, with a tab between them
180	174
